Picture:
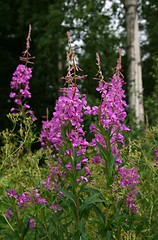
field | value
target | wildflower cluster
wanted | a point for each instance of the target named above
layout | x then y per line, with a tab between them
23	200
130	179
111	112
67	116
67	185
51	184
66	126
20	83
68	119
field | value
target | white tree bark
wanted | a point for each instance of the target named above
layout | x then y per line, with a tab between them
134	61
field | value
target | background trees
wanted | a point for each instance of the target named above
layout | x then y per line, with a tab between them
98	26
134	61
48	42
150	60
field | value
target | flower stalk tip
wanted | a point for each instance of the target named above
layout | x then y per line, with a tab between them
26	54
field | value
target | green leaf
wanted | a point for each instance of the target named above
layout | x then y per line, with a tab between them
70	202
93	199
101	216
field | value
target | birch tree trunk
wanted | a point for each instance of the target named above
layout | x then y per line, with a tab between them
134	61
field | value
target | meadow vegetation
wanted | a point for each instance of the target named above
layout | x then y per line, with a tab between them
83	182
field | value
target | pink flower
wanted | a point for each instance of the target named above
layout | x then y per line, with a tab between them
68	166
84	179
8	213
66	127
12	193
55	207
78	166
96	159
12	95
20	87
31	223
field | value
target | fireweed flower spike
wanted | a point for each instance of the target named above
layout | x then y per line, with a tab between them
111	112
130	179
20	82
68	118
26	55
111	115
112	108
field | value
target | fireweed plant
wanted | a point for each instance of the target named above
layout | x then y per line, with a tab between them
20	93
68	203
17	145
20	83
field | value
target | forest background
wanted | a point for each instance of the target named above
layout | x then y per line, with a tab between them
95	26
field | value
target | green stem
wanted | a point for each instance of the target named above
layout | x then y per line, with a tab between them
18	223
77	212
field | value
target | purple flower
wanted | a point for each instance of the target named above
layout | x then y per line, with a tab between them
66	126
12	193
111	114
87	171
95	110
129	177
41	200
130	202
96	159
68	113
55	207
8	213
84	179
26	106
21	76
31	223
23	200
68	166
78	166
118	160
30	112
20	87
36	198
112	109
35	193
20	82
87	110
84	160
12	95
18	101
26	198
12	110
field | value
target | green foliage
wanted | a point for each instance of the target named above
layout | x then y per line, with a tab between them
151	104
149	51
83	205
140	153
18	163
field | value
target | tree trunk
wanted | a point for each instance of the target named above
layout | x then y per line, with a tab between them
134	61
